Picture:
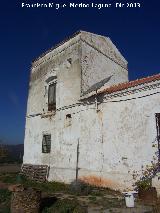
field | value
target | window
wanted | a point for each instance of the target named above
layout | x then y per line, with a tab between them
52	97
68	121
46	144
68	116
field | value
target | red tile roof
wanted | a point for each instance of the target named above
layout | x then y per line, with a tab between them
126	85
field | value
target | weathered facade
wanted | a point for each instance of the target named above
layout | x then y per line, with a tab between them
85	120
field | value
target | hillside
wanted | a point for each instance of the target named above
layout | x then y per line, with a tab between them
11	153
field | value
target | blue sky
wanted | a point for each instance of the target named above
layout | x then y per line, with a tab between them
28	32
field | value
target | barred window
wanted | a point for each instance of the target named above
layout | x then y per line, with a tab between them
46	144
52	97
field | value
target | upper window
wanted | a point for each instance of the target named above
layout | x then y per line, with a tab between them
52	97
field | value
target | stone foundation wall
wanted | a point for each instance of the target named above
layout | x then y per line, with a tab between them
26	201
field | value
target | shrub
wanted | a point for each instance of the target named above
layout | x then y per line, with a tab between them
5	195
143	184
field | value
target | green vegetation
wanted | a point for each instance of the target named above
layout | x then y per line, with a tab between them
8	177
65	206
47	186
15	178
92	198
143	184
76	189
5	197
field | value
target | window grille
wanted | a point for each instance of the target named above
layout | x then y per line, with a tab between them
46	144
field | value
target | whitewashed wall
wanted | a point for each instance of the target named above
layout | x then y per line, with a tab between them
114	142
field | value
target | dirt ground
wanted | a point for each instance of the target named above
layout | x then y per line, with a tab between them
109	204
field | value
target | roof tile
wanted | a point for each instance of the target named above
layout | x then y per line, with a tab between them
126	85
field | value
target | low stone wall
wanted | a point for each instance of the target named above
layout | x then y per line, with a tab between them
25	200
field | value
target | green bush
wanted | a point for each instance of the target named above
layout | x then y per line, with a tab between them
5	195
143	184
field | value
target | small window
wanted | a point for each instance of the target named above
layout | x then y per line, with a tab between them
46	144
52	97
68	116
68	121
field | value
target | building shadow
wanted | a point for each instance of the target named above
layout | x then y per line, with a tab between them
47	202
